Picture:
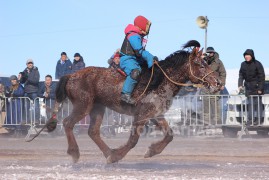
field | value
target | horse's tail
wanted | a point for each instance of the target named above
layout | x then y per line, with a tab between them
60	89
191	43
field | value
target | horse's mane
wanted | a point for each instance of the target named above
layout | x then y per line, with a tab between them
176	59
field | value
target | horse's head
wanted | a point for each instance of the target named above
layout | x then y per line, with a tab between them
201	73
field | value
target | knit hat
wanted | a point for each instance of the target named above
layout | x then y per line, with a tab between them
77	55
63	53
13	77
210	50
29	61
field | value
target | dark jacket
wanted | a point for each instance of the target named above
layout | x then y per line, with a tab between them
216	66
78	65
31	80
42	89
15	91
252	74
63	69
15	105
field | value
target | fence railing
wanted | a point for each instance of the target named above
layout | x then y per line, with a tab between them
192	110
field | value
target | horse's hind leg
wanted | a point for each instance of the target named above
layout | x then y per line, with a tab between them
119	153
96	115
69	122
157	147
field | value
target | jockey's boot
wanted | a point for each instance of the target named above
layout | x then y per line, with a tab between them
127	98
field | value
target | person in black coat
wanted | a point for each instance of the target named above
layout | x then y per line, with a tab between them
78	63
252	77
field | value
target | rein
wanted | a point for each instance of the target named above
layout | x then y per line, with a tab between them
177	83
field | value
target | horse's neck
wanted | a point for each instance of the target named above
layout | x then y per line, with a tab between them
178	75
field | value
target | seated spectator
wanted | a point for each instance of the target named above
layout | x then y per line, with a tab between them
78	63
14	103
47	91
2	109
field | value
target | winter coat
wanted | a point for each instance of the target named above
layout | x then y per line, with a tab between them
217	67
63	69
51	96
14	104
78	65
252	74
31	81
42	90
132	48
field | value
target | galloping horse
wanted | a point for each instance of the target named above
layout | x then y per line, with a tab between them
93	89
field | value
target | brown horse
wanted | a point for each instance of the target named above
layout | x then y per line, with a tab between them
93	89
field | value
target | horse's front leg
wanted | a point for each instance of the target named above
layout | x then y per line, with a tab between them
69	123
157	147
119	153
96	115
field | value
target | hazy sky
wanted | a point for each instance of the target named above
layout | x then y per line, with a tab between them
41	30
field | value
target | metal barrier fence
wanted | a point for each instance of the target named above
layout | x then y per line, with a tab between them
231	112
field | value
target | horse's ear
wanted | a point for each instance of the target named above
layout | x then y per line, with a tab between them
200	53
194	52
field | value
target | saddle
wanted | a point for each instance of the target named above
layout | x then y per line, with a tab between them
118	69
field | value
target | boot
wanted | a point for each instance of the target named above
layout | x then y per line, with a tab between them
127	98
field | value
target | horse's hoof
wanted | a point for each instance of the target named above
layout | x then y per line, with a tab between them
110	160
75	160
148	154
75	156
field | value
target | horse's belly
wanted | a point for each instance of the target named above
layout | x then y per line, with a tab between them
160	103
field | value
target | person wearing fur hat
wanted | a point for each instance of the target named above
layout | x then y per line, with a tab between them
133	54
252	78
78	63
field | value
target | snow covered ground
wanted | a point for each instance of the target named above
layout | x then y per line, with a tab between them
202	157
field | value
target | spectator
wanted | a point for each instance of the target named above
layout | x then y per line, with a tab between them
14	104
30	79
63	66
2	109
212	108
78	63
114	61
47	91
132	54
252	75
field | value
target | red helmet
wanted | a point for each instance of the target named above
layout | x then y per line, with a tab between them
143	24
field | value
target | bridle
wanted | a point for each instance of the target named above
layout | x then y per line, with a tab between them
174	82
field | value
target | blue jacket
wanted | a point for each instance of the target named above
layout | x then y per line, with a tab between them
42	89
63	69
136	41
18	92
